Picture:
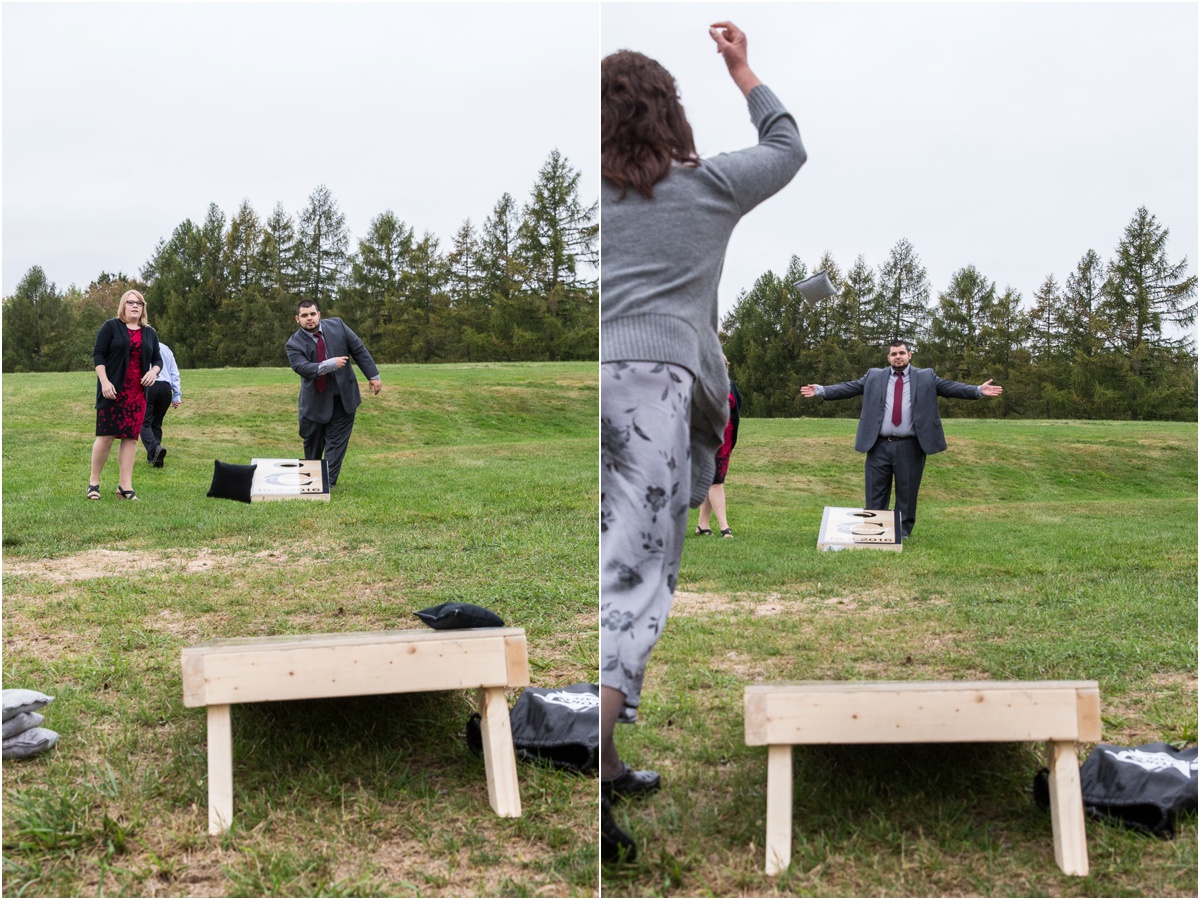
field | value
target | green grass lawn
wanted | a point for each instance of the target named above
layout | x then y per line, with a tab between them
472	483
1042	550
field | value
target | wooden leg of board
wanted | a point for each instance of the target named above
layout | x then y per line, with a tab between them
220	768
1066	808
499	760
779	807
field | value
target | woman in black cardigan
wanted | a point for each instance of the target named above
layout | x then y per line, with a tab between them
127	362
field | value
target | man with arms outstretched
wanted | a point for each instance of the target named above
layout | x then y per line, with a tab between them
899	425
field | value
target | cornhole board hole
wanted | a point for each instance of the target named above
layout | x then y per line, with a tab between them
919	712
289	479
848	527
220	673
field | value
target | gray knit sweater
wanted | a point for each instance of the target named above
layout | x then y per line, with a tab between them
661	262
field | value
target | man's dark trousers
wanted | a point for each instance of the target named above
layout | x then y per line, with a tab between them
158	401
902	460
331	438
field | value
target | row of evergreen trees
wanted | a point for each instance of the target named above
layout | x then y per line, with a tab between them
223	293
1114	341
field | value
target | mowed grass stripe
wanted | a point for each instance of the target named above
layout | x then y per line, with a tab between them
1043	550
466	483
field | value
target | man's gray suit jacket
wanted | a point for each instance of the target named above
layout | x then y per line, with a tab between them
924	389
339	341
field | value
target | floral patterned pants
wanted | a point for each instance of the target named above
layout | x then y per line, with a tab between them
645	482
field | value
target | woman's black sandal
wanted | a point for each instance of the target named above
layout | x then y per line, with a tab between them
726	532
126	495
700	530
93	492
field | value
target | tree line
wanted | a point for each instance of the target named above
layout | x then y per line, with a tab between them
1113	341
223	293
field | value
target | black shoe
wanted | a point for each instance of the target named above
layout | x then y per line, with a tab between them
158	457
615	844
630	783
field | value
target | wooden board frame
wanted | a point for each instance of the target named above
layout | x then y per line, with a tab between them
220	673
1060	713
313	469
834	519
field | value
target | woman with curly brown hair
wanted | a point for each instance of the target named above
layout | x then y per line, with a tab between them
667	216
128	360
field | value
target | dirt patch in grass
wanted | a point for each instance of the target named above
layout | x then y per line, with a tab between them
688	603
406	860
751	669
1185	681
115	563
774	603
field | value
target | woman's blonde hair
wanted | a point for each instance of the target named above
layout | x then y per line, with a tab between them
142	320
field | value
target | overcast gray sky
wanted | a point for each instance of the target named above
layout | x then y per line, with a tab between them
1011	136
122	120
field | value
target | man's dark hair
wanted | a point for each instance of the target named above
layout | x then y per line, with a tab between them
900	342
304	303
643	129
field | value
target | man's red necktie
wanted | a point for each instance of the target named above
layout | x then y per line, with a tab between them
897	400
320	359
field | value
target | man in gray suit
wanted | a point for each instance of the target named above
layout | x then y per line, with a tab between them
899	426
319	353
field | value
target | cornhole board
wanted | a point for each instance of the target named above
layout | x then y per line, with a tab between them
289	479
854	528
220	673
902	712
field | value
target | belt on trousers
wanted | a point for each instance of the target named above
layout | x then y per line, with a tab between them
895	437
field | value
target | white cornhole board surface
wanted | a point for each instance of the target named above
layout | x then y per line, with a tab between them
289	479
854	528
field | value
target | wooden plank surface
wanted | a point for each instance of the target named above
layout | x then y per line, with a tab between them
1088	699
398	635
885	686
1066	808
499	757
220	769
517	659
296	672
779	808
911	712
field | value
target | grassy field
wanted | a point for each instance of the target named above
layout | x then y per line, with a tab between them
1042	550
468	483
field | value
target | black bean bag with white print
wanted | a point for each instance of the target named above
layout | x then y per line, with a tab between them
556	726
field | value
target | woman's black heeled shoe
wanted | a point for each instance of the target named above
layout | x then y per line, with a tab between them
630	783
615	844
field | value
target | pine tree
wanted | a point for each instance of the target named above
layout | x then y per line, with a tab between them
277	252
500	274
36	325
901	306
954	344
1081	325
470	306
1045	334
767	332
372	295
421	325
1144	294
244	325
556	233
175	296
322	248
